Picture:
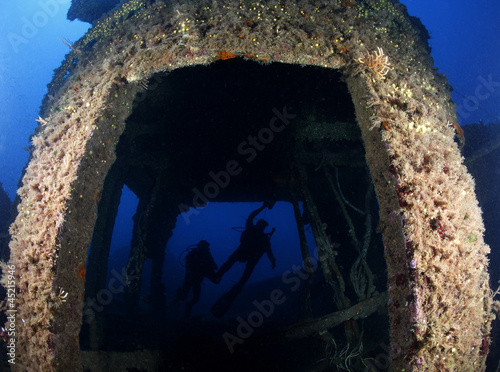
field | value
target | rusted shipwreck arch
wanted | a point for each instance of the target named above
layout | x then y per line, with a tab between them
432	228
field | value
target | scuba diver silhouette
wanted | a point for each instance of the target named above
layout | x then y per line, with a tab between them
254	242
199	265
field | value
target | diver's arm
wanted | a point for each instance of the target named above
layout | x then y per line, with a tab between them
254	214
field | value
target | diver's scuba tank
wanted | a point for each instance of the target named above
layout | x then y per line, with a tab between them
184	253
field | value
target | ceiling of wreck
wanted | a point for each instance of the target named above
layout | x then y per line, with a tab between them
197	121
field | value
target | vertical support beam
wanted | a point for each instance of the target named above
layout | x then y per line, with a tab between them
325	248
97	267
163	214
137	256
154	222
326	254
306	257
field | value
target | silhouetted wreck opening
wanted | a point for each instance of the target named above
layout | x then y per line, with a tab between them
238	131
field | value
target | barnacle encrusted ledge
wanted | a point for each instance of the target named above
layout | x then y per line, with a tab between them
432	228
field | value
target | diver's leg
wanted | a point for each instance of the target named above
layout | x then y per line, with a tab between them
250	266
228	264
213	277
194	300
196	292
183	291
224	303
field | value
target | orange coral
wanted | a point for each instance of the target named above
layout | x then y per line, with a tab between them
97	196
225	55
459	132
350	4
82	270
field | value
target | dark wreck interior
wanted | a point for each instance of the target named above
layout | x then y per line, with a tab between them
238	131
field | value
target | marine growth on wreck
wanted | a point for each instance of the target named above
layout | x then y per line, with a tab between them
331	106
